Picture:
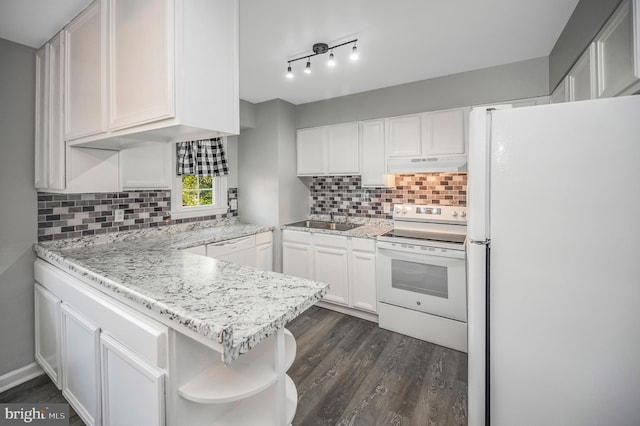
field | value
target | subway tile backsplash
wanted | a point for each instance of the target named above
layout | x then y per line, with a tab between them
344	195
63	216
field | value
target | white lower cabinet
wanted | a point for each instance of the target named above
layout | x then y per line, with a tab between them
121	366
362	272
264	251
111	358
125	374
253	250
331	266
297	254
347	264
81	364
47	311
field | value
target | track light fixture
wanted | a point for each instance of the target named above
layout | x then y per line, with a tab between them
322	48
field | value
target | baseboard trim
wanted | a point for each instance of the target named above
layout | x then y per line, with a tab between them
19	376
349	311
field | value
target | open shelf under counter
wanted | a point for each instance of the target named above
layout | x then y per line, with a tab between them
251	412
250	374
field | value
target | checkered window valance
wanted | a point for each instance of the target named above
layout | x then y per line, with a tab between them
202	158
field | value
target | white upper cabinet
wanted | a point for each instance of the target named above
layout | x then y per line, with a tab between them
561	92
372	154
444	132
328	150
431	133
618	51
404	136
140	39
57	151
167	69
582	77
343	143
85	75
42	119
311	151
146	165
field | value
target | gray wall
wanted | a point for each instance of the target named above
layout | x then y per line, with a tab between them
584	24
18	208
525	79
269	193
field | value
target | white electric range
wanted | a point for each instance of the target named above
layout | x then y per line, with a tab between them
421	274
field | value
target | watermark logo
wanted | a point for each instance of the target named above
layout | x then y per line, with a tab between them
34	414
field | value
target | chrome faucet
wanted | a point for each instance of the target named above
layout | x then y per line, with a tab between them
331	216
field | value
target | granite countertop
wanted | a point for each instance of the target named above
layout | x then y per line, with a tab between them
236	306
369	228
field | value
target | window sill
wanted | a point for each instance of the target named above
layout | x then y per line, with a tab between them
198	212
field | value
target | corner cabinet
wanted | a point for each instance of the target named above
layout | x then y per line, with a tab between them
347	264
140	68
328	150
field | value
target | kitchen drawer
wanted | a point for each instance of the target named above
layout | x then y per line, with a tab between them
337	241
141	334
231	246
264	238
363	244
296	236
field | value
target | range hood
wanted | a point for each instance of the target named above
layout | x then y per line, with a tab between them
436	163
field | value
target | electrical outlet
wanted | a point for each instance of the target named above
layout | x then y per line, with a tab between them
234	204
119	216
386	207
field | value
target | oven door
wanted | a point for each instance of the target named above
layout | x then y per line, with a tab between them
423	279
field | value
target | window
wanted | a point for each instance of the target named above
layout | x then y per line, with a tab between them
197	191
193	196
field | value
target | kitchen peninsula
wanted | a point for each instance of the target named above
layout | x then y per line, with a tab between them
133	320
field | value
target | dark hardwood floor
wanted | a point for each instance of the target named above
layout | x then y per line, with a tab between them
349	371
39	390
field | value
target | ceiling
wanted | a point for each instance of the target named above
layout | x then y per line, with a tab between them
399	41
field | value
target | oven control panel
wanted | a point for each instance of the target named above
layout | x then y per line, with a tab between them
430	213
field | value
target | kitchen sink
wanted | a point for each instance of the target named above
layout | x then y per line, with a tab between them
320	224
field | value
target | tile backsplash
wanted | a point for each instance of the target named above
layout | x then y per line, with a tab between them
63	216
344	195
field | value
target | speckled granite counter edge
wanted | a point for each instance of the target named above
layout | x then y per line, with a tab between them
222	335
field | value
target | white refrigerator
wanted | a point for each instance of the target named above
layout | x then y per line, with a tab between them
554	264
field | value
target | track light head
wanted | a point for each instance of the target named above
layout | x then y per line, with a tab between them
354	53
332	62
289	72
307	69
